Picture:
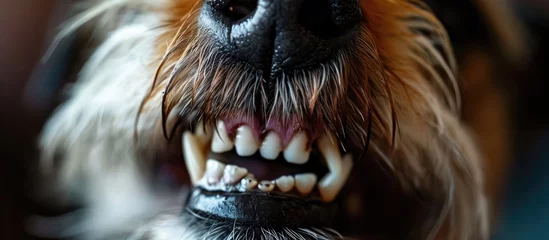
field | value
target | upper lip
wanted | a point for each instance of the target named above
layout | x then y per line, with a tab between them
198	144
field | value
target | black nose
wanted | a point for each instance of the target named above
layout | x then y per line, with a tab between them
278	35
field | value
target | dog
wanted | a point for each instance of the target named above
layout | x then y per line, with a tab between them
300	119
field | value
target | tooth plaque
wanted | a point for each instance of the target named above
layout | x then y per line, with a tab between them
232	174
214	171
266	186
248	183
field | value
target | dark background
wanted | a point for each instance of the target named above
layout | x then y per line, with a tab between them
26	28
23	27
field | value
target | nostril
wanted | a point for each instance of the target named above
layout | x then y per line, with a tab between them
329	18
235	10
275	36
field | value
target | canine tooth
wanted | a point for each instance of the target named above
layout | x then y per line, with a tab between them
297	152
266	186
204	136
330	185
330	151
214	171
195	149
233	174
285	183
271	146
248	183
245	142
305	182
221	142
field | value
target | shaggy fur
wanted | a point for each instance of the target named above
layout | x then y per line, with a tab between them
171	226
392	96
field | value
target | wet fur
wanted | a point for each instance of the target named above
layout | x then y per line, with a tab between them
393	96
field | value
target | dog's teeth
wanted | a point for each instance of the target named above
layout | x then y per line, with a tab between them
245	142
297	151
305	182
285	183
248	183
271	146
232	174
330	185
195	150
214	171
193	157
328	147
203	134
266	186
340	169
221	142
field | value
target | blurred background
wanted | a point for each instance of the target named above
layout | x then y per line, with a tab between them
502	48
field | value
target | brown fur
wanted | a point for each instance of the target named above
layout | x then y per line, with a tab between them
487	88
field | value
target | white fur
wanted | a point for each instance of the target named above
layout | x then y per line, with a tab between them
165	227
89	141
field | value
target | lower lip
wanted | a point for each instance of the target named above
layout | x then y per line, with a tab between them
260	209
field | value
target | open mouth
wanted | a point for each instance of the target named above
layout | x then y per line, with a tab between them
258	61
239	167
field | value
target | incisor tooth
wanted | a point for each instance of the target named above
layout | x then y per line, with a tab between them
285	183
195	150
305	182
221	142
266	186
271	146
233	174
214	171
330	185
245	142
297	151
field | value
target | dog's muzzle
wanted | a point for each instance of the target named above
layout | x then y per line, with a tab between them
257	170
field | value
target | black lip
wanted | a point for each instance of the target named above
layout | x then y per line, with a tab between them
260	209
